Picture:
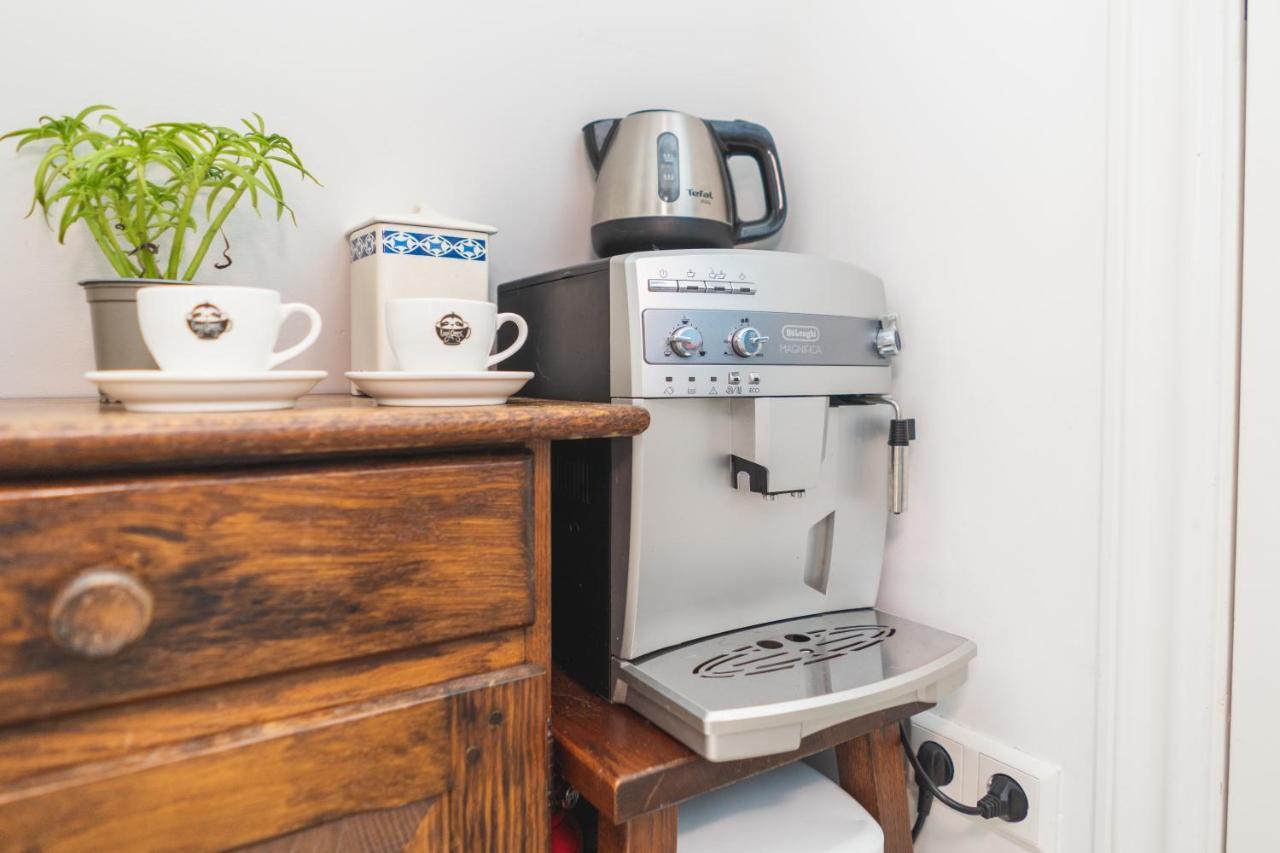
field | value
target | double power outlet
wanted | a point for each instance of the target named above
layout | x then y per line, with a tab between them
977	758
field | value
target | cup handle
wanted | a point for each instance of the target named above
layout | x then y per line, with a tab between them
314	332
522	333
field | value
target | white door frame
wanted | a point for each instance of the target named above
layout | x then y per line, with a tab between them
1254	689
1175	90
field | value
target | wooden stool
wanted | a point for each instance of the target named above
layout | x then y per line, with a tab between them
635	775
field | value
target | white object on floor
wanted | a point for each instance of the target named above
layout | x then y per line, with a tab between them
460	388
793	808
171	391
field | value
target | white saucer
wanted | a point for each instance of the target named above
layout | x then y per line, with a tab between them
461	388
167	391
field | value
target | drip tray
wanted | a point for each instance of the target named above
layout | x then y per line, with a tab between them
760	690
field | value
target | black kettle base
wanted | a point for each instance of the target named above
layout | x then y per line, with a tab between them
647	233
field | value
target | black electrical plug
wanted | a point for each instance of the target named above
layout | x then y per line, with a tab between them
937	763
1004	799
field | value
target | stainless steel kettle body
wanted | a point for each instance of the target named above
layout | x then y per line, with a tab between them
662	182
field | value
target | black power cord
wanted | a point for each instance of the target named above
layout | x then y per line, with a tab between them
924	802
938	767
1004	798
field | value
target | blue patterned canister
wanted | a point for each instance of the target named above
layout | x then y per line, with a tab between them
422	253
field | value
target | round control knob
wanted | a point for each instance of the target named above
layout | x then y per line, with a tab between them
685	341
888	340
748	342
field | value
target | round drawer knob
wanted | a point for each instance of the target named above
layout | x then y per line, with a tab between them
99	613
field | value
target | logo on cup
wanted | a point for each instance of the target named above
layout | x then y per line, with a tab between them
452	329
207	321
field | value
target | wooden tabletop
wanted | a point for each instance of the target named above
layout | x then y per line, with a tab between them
54	436
626	767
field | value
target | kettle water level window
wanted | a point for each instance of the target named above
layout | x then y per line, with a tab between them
668	167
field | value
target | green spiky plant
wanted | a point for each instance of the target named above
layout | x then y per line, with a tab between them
141	192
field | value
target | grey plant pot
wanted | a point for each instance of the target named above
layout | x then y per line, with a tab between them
113	308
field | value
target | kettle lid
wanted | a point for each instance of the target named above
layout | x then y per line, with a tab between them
425	216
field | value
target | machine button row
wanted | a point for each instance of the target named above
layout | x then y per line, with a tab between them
669	285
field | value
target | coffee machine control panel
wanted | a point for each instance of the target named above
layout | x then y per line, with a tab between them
724	322
678	336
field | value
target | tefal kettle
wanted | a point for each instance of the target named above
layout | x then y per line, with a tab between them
662	182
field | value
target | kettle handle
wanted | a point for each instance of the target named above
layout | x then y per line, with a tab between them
598	135
755	141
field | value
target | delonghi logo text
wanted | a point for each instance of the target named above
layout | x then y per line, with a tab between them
803	334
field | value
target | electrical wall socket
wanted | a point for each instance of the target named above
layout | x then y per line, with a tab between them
1026	831
920	735
982	757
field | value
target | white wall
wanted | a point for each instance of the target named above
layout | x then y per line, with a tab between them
955	149
964	162
474	108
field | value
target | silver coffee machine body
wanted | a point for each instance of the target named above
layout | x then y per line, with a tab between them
705	557
707	554
719	571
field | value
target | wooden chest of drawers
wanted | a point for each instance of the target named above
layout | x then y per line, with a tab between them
227	631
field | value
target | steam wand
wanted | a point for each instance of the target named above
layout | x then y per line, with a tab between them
902	431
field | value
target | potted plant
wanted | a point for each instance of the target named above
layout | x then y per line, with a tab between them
154	199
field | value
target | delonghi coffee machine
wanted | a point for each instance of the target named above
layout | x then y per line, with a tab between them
718	572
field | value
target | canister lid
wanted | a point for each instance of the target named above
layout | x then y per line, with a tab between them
426	217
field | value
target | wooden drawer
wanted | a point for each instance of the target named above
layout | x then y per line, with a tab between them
235	575
430	763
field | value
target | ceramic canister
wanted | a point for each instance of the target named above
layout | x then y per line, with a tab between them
418	254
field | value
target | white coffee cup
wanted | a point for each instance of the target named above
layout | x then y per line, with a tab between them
441	335
202	328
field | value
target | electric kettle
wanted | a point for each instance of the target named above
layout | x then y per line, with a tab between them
662	182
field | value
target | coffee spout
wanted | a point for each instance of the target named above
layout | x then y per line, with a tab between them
778	443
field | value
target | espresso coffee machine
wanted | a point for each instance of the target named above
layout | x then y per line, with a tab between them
718	573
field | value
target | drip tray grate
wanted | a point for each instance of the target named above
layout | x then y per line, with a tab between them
792	649
761	689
